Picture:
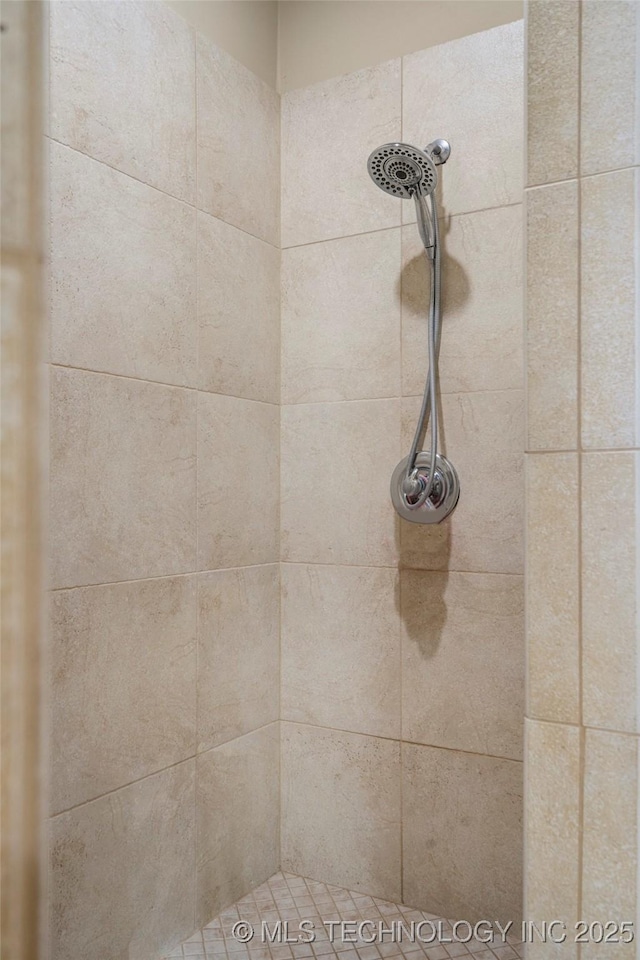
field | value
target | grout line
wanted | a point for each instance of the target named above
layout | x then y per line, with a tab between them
124	173
445	571
162	383
580	176
122	786
413	396
164	576
401	685
579	413
412	743
445	217
576	725
275	403
304	563
197	674
402	282
583	451
164	193
155	773
465	393
301	563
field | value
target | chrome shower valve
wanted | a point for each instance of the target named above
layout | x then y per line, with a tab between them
442	500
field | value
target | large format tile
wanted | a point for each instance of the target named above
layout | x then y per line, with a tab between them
123	473
462	834
337	459
481	342
328	132
238	454
609	118
483	435
552	317
552	836
123	89
238	652
238	815
610	290
123	291
341	319
553	89
610	506
238	312
123	665
341	648
470	92
610	836
122	877
238	144
341	808
463	661
553	587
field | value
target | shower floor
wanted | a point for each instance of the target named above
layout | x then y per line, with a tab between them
286	897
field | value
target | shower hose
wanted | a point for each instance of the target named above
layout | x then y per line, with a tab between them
416	489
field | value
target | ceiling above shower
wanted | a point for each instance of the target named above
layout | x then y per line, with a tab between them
294	43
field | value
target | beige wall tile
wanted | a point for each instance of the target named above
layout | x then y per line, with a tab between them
463	661
481	344
610	207
341	319
122	479
238	144
328	132
238	453
462	834
122	877
341	648
237	807
610	841
127	98
337	459
341	809
483	436
17	122
553	587
469	91
123	673
609	576
553	95
238	652
552	801
123	280
552	317
238	312
609	95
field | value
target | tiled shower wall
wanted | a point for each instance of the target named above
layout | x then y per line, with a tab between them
403	645
582	467
164	402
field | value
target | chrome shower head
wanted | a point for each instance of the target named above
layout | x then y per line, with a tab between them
402	170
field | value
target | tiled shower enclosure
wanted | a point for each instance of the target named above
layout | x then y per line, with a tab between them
255	665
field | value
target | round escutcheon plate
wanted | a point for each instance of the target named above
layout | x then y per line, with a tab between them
443	498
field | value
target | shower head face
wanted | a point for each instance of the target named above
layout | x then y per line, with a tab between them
402	170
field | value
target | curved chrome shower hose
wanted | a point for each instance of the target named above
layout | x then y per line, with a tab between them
424	488
416	490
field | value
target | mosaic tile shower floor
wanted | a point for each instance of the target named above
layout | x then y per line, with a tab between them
287	897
